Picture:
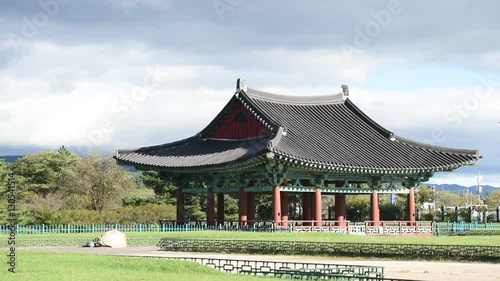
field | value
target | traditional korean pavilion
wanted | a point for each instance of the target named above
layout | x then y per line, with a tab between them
312	145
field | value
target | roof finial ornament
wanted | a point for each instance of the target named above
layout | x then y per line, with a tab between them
345	90
240	85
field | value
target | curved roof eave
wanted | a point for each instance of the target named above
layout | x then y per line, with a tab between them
438	148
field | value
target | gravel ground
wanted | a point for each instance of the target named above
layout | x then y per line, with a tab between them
417	270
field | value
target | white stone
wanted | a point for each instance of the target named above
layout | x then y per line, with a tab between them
113	239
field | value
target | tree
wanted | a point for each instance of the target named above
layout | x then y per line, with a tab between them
162	188
392	212
193	206
424	194
471	199
231	210
445	198
66	163
102	182
263	204
45	172
492	199
4	174
358	207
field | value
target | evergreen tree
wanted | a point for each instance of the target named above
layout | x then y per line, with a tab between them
45	172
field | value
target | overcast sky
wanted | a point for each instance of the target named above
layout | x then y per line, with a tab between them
109	74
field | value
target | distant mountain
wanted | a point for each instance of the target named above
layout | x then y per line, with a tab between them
460	189
11	158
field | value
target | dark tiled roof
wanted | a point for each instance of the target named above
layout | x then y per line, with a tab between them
195	152
323	132
338	135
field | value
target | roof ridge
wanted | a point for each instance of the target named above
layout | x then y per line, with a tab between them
296	100
388	134
256	111
272	143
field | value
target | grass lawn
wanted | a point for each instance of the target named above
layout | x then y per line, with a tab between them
314	237
76	267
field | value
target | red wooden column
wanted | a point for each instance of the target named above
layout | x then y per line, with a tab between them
210	207
340	209
181	215
284	208
276	206
317	207
312	198
220	208
243	207
306	207
411	205
374	212
251	207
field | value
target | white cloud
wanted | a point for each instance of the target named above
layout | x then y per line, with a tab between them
79	84
295	67
451	109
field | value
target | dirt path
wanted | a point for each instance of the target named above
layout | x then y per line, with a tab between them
438	271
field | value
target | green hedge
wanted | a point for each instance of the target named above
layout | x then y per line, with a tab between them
394	251
487	232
